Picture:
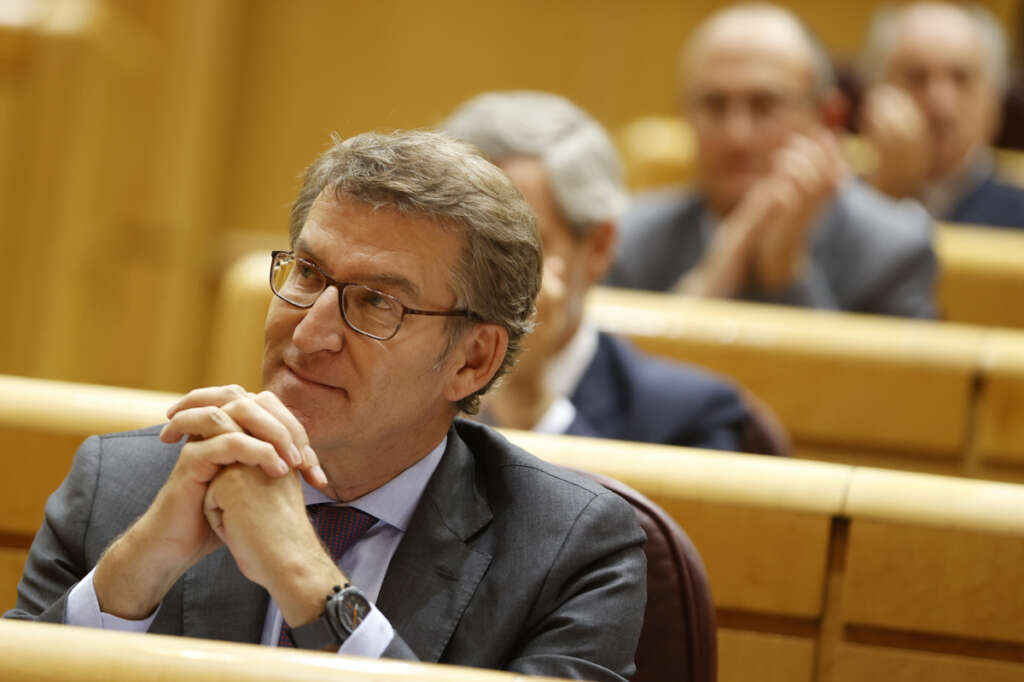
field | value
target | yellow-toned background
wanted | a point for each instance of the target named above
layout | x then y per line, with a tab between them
143	143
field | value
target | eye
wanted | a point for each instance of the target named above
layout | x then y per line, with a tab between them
375	299
306	271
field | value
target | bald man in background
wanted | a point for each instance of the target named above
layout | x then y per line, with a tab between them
775	215
938	73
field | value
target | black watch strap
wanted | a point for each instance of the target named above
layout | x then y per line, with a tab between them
316	635
343	611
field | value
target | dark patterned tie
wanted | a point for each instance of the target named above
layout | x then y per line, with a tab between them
338	528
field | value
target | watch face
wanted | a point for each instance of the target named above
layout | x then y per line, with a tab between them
352	609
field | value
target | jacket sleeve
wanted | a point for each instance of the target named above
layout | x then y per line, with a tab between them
590	609
56	561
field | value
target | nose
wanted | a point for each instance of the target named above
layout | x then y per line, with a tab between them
738	126
321	327
941	95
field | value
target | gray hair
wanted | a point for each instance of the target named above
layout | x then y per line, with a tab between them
580	159
884	32
430	175
824	75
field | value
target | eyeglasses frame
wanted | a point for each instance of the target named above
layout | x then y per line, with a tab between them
341	286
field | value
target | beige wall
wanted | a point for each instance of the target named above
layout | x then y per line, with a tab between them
146	141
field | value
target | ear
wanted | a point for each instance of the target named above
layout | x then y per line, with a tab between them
601	243
477	356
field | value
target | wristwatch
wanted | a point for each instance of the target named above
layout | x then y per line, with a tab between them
345	609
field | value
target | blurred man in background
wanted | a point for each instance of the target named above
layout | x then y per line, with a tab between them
775	216
572	378
938	74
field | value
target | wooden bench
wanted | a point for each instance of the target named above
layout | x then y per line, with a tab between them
820	571
42	424
982	275
851	388
41	652
762	526
836	573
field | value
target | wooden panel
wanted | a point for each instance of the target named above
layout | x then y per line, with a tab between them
12	561
999	415
934	580
982	275
833	378
236	344
745	656
34	464
761	560
42	652
857	663
761	524
41	425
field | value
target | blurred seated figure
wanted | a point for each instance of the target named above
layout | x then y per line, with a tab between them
937	73
774	215
571	378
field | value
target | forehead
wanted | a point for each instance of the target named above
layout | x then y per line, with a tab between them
936	34
531	179
382	247
766	51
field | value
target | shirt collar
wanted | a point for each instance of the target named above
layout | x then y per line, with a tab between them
394	502
567	367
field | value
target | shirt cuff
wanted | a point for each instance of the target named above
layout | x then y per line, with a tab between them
83	609
370	638
557	418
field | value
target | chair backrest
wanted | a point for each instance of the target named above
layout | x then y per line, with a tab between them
679	639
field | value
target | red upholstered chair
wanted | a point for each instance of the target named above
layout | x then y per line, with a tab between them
679	640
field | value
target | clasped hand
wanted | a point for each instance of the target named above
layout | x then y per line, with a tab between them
231	482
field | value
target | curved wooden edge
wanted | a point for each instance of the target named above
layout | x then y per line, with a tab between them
40	651
703	475
64	407
990	251
790	485
931	500
815	332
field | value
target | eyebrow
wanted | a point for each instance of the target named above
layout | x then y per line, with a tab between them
379	280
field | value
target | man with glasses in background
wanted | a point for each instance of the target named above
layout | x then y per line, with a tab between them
409	285
775	216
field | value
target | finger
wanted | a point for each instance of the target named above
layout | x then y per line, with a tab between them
207	396
259	422
271	403
203	459
202	422
213	513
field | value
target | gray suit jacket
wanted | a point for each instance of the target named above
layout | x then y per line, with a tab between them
508	562
868	254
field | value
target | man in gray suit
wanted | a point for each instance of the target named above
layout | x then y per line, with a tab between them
410	283
776	216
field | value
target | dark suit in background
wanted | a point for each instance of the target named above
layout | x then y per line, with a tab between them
627	395
868	254
990	202
507	561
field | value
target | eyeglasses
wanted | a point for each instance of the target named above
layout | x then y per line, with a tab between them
366	311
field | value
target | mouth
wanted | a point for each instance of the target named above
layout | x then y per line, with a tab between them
308	378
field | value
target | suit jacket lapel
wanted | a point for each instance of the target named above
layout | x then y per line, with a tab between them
437	567
221	603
